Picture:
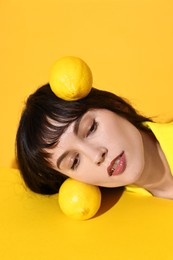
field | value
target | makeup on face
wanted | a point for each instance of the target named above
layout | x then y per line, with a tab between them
117	165
85	141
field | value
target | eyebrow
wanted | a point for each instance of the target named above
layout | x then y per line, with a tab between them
76	125
61	158
75	130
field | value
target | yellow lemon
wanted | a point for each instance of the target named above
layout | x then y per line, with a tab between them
79	200
70	78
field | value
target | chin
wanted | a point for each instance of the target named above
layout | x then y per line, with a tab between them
134	175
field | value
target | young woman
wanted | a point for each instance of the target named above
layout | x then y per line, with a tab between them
100	140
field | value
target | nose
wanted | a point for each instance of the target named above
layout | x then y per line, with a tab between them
94	153
100	155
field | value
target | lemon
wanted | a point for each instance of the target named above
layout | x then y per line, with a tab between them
71	78
79	200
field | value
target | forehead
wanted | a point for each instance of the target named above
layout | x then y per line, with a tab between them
73	125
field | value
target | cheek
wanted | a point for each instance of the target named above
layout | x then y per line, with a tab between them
114	129
88	172
128	134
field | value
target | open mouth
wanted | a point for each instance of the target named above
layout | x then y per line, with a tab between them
117	165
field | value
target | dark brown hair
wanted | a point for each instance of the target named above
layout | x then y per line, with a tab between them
38	132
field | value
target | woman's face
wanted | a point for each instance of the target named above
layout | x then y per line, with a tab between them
101	148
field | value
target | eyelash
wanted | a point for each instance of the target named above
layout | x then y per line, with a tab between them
93	128
76	160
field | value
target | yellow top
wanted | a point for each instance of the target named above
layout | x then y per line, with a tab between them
164	134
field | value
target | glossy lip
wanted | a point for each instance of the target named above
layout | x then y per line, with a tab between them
120	167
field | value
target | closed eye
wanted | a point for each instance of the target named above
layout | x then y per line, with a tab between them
76	162
92	129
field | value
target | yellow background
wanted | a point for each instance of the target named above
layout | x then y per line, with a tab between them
128	45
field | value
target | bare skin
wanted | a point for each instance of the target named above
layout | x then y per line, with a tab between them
157	177
105	149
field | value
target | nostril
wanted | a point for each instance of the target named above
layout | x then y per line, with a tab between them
102	158
103	155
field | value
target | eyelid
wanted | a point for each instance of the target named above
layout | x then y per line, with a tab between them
61	158
77	124
76	131
94	126
75	165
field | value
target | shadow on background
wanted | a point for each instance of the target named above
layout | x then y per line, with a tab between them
110	196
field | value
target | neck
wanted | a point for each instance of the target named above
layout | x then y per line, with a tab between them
156	177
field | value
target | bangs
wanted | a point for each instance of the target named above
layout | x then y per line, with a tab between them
44	120
52	129
44	131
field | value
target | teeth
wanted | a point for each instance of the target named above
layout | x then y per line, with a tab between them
115	164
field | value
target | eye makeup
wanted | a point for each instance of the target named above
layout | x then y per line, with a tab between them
84	127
